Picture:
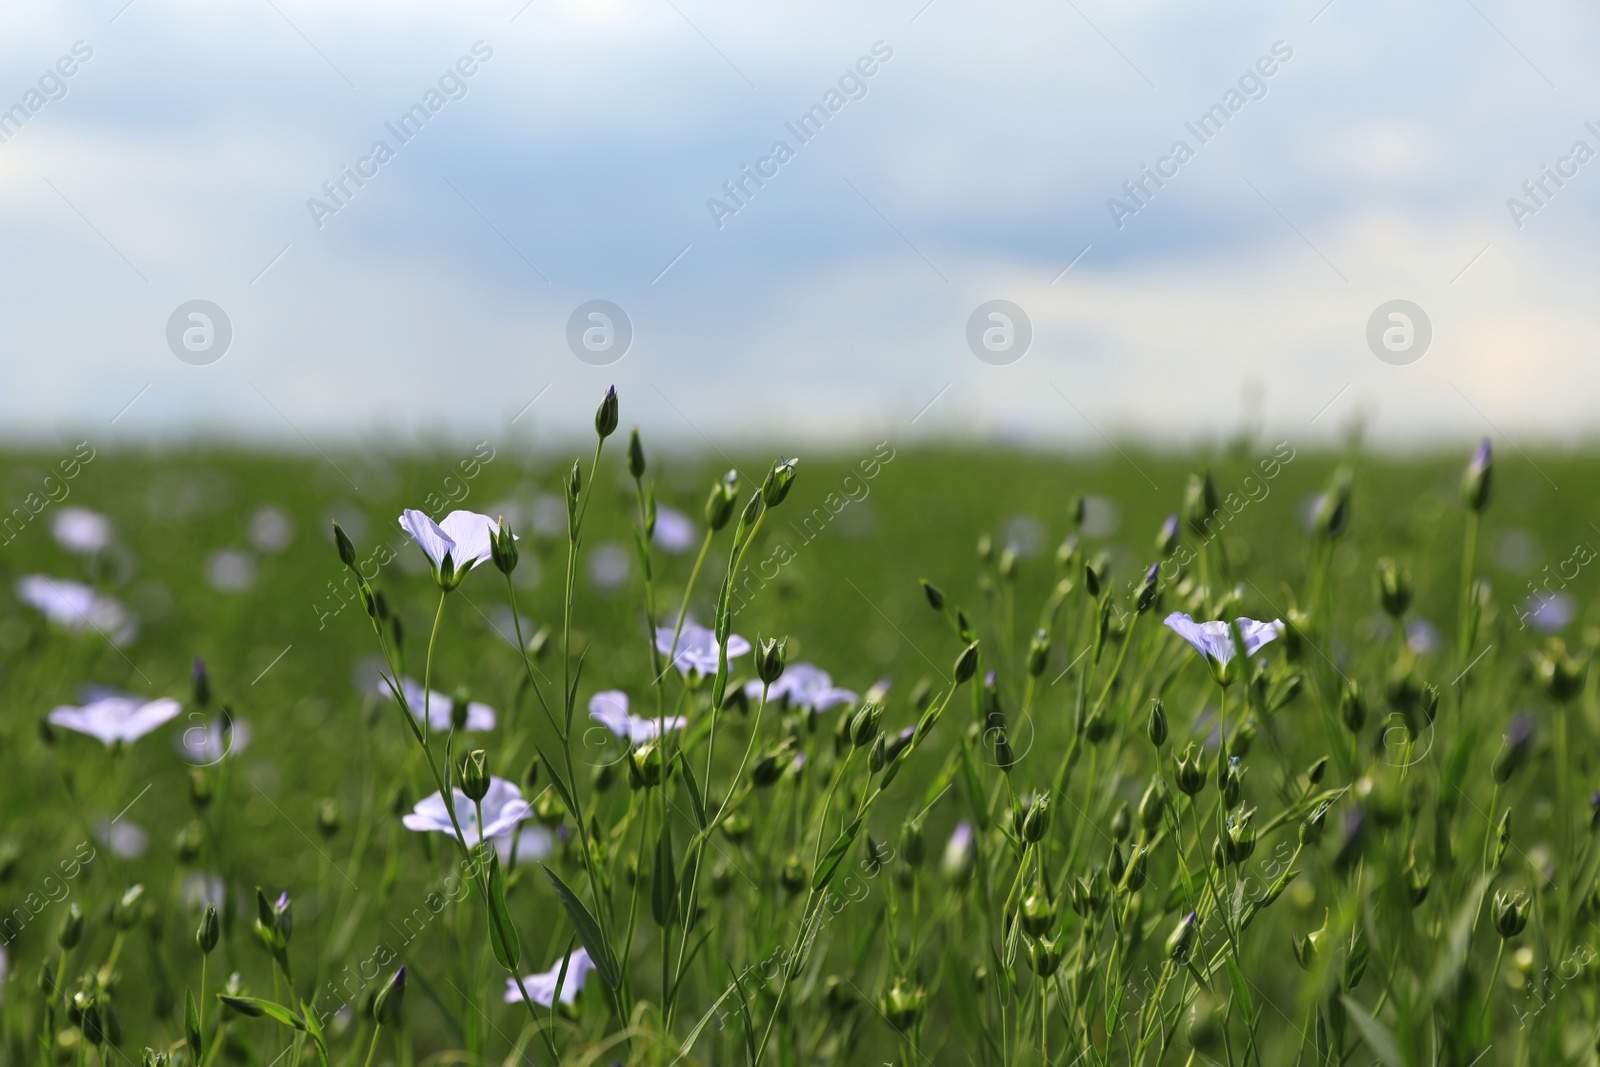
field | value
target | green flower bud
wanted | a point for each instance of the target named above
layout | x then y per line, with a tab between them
771	655
1190	774
1515	745
475	775
1121	823
503	547
1044	956
1352	706
210	930
635	455
1167	536
1067	552
1153	805
1315	772
1333	507
934	594
1244	735
1199	503
386	1008
1394	587
967	663
189	841
1037	822
779	481
644	766
605	417
1133	878
1241	837
793	875
329	816
1205	1026
719	505
70	932
1008	563
1181	938
913	843
736	827
1145	598
1311	826
127	910
347	550
864	725
1038	913
903	1004
549	809
1510	913
1156	728
1038	652
1308	950
1477	481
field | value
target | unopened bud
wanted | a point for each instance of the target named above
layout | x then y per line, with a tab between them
605	417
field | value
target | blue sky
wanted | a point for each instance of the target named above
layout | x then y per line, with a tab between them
976	164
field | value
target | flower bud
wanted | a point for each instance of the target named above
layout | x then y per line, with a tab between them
1145	599
1093	577
1008	563
1038	913
1502	837
793	875
188	841
902	1005
200	793
1244	735
771	655
386	1009
1044	956
1121	823
1205	1027
1308	950
329	816
635	455
1067	552
1417	883
967	663
1037	822
1167	536
1312	825
1116	865
605	417
644	765
934	594
1241	837
1514	748
1199	503
210	930
1038	652
1153	805
1134	878
864	725
1315	772
1477	481
878	756
549	809
1181	938
47	980
126	911
1333	506
959	858
347	550
1352	706
1156	728
201	683
1190	774
913	843
70	932
1231	781
503	547
719	505
1394	587
1510	913
475	775
779	480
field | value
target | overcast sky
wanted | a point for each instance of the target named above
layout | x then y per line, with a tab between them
584	158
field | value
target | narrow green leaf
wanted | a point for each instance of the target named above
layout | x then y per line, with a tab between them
1377	1036
191	1025
255	1008
664	879
1241	989
829	864
502	934
694	1035
605	961
314	1028
697	802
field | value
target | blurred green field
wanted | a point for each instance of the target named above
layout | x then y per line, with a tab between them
836	570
